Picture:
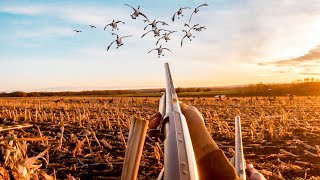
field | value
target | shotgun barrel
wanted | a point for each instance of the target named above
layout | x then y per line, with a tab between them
239	161
179	159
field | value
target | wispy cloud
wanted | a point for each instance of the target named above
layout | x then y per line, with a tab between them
46	32
310	74
313	56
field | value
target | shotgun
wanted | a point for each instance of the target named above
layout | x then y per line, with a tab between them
238	160
179	159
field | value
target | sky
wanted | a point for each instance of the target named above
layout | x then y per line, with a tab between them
269	41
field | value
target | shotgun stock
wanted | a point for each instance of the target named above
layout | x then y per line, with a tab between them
179	159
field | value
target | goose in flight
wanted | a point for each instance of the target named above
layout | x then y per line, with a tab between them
77	31
196	10
160	51
156	32
136	12
178	13
114	25
118	41
188	33
154	23
165	37
92	26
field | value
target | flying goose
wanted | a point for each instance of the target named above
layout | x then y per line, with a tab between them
92	26
188	33
178	13
165	37
196	10
77	31
114	25
156	32
136	12
118	41
160	51
154	23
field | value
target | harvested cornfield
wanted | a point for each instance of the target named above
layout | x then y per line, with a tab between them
85	137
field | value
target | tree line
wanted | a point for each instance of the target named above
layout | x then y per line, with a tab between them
298	88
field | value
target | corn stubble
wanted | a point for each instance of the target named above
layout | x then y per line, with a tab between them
83	138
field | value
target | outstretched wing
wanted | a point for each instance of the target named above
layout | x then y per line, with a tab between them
185	8
193	27
110	45
183	39
130	6
126	36
167	49
163	23
174	16
159	40
185	24
143	15
120	22
145	20
163	30
171	32
205	4
106	26
146	27
146	33
191	16
152	50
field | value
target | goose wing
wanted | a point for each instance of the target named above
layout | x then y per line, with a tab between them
152	50
167	49
110	45
163	23
185	8
204	4
163	30
146	27
191	16
171	32
106	26
120	22
159	40
130	6
126	36
183	39
193	27
146	33
143	15
174	16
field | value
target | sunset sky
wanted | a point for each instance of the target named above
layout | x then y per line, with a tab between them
245	42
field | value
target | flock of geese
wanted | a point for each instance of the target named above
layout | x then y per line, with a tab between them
155	30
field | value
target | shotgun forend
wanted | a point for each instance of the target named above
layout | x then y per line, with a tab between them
179	159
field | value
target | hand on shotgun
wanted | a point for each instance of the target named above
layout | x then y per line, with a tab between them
205	147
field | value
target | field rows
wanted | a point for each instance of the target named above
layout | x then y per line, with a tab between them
86	137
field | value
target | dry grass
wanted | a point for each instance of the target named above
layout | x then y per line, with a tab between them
86	137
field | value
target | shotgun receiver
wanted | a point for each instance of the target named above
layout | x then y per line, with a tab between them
179	159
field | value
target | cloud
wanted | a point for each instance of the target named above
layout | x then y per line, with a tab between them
313	56
46	32
24	10
310	74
